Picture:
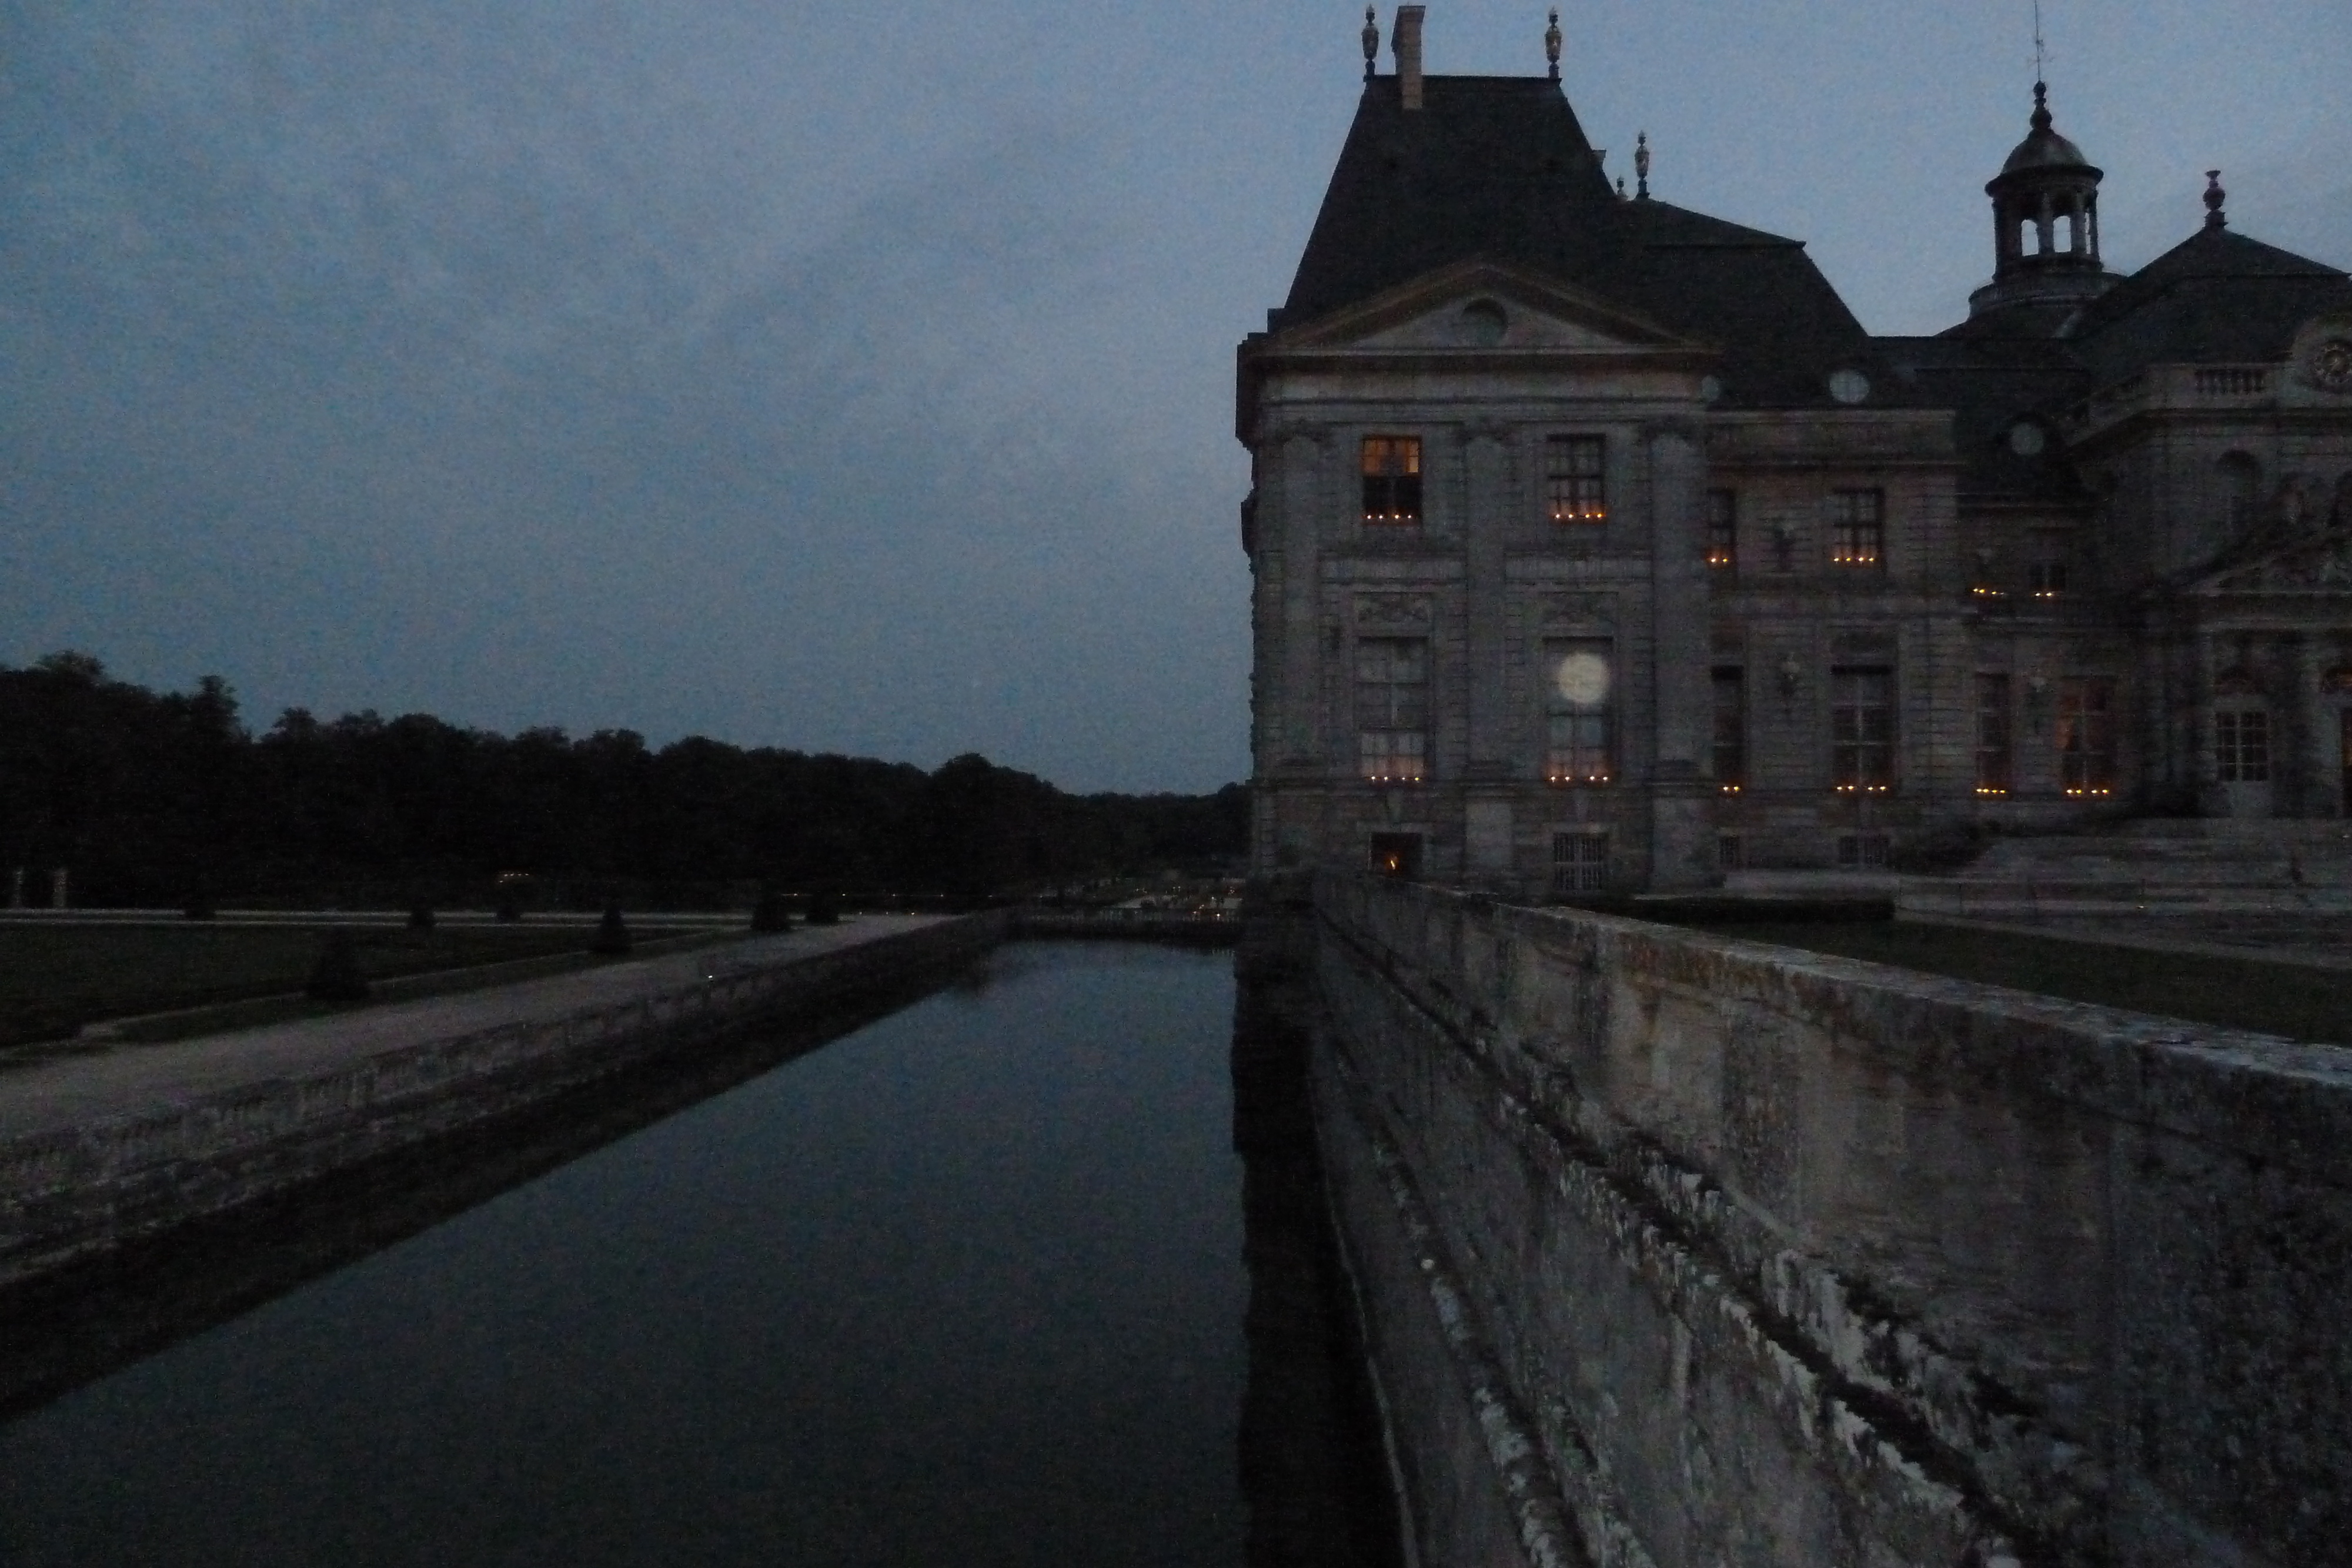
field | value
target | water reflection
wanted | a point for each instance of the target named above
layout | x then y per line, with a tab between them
966	1286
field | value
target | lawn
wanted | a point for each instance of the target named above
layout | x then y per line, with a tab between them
2272	999
56	978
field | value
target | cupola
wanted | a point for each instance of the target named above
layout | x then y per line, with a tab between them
2045	216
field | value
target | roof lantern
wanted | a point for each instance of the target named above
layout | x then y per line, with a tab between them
2045	214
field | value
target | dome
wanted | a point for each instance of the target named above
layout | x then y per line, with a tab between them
2043	147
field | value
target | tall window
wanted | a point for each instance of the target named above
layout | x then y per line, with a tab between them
1579	863
1723	528
1391	478
1993	761
1392	709
1861	730
2241	745
1579	700
1574	469
2087	734
1857	528
2045	575
1731	730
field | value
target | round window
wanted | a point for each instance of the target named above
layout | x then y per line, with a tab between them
1849	387
1484	322
2027	439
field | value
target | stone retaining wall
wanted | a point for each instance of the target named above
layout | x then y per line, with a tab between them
1687	1251
68	1196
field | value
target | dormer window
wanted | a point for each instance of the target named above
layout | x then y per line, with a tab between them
1392	479
1575	469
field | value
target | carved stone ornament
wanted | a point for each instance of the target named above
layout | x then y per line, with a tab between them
1393	612
1593	610
2331	365
2322	565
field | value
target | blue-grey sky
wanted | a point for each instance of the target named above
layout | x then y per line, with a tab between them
859	377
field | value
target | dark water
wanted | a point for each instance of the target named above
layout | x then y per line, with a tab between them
964	1287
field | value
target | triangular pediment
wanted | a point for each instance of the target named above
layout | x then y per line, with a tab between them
2318	564
1486	307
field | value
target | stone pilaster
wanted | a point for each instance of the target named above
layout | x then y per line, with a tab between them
1680	658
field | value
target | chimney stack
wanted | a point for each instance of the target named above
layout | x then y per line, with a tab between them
1406	42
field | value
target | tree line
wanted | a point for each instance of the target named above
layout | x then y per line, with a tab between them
165	798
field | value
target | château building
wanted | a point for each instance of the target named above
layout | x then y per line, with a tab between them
1597	547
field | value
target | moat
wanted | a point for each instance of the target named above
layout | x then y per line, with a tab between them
967	1284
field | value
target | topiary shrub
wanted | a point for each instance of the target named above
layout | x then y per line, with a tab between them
337	977
200	906
509	908
420	916
612	938
823	907
770	914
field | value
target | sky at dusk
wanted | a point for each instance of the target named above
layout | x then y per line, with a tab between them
859	377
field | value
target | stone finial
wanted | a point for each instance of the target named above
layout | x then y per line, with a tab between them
1372	42
1551	43
1620	187
1642	164
2215	199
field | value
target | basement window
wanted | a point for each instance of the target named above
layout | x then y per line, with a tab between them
1579	863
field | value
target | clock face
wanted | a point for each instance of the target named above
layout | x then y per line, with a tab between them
1582	680
2332	366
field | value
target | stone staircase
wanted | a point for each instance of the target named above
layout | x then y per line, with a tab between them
2241	883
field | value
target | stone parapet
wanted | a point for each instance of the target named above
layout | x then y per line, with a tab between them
72	1192
1778	1257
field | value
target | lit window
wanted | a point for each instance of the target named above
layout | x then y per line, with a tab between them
1392	709
2086	736
1731	730
2241	745
1993	762
1574	468
1579	694
1392	479
1723	528
1579	863
1858	527
1396	854
1862	731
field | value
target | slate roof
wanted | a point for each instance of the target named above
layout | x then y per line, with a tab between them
2218	297
1989	384
1497	168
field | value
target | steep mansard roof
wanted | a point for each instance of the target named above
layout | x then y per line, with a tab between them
1497	168
2216	298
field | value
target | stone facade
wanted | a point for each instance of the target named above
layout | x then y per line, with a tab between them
1598	549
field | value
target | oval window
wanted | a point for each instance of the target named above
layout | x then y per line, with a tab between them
1484	322
1849	387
